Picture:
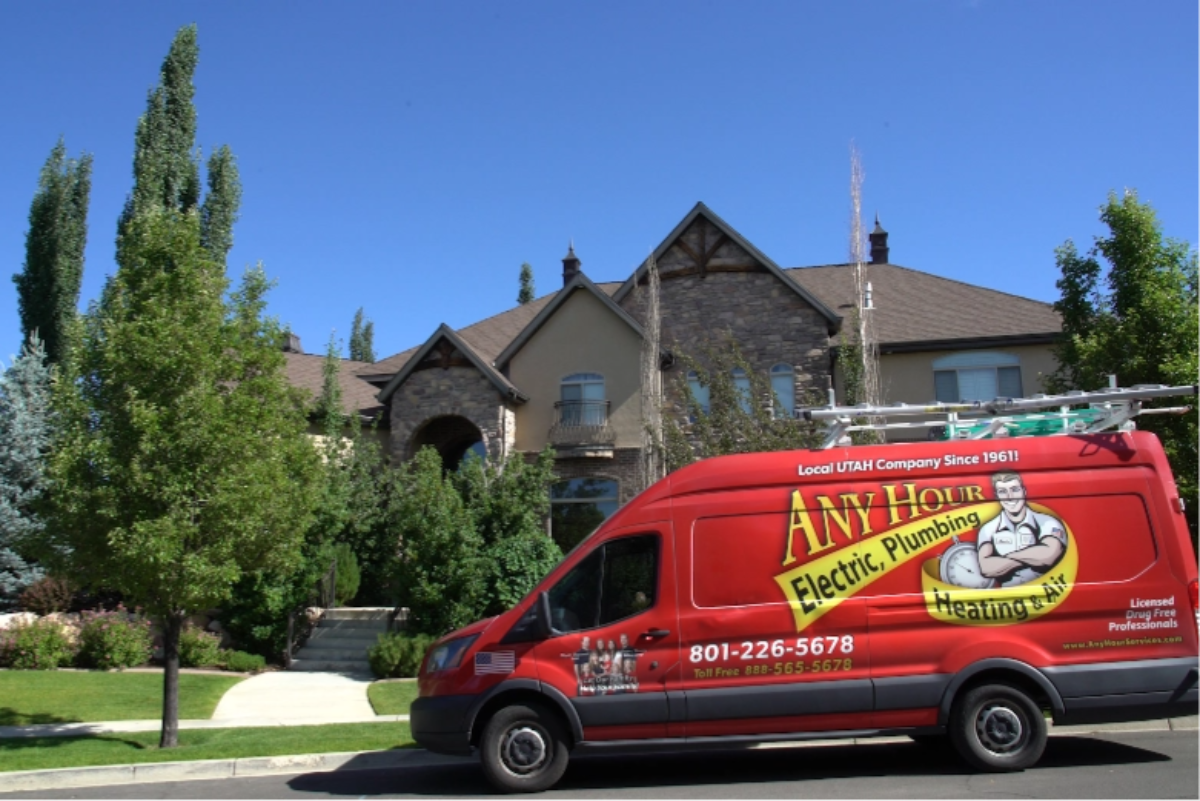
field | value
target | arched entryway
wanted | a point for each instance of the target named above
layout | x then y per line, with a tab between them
452	436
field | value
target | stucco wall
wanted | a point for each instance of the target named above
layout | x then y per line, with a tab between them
583	336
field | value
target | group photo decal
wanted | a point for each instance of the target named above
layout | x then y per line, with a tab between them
605	668
988	555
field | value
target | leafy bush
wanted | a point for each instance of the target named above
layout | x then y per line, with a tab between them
109	640
40	645
398	656
242	662
47	596
348	576
198	648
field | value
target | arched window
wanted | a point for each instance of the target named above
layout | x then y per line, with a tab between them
976	376
583	402
741	383
698	390
578	506
783	386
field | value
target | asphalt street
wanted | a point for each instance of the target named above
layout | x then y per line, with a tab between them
1111	765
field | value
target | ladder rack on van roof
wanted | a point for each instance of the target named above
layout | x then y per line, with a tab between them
1114	407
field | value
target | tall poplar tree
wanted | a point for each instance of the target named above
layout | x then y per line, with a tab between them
526	293
362	339
166	166
48	287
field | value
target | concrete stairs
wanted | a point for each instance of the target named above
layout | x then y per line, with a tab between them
340	641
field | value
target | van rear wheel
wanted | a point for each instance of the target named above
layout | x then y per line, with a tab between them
523	749
996	727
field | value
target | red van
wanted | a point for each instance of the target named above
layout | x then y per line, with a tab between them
950	589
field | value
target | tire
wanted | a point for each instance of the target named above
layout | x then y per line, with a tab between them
524	749
996	727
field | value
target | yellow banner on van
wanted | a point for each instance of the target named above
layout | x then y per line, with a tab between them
817	587
1003	606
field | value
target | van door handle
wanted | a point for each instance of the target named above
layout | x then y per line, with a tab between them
655	634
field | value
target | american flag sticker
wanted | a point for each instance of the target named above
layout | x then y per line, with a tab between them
495	662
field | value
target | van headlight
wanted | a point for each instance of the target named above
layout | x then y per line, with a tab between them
449	654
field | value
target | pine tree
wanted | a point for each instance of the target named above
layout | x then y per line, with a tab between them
526	293
24	445
362	339
48	287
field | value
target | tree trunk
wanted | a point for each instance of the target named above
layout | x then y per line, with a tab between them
172	626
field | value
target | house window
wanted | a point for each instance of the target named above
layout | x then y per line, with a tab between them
976	376
741	383
698	390
583	401
783	385
578	506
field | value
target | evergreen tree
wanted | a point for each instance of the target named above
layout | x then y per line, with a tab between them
48	287
183	464
1129	309
24	445
362	339
526	293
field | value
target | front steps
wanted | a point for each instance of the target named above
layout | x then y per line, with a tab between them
340	641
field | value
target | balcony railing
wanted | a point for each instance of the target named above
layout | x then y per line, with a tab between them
581	428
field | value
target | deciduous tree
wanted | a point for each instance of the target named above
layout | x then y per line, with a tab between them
48	286
526	293
1129	309
182	465
362	339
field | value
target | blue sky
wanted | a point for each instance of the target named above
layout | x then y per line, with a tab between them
408	157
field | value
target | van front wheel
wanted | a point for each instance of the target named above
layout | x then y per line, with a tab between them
996	727
523	749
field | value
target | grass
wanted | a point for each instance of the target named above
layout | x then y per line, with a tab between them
128	748
57	696
392	697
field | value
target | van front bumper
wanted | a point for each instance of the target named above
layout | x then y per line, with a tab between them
440	724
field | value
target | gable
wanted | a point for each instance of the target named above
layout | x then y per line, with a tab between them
446	349
703	244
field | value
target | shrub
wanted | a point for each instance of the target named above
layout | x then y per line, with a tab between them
242	662
40	645
198	648
398	655
348	575
47	596
114	640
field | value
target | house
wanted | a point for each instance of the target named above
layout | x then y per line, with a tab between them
564	369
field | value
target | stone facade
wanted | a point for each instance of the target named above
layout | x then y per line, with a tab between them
731	293
622	468
435	393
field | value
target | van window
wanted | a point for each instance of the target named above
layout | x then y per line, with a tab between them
617	580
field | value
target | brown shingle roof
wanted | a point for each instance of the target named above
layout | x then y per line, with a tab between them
914	308
307	371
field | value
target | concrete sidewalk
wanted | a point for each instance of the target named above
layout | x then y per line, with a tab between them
280	698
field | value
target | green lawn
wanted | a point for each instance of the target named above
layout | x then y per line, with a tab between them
54	696
392	697
36	753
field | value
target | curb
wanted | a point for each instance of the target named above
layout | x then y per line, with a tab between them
70	778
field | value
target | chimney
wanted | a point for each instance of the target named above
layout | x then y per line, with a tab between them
291	343
571	264
879	245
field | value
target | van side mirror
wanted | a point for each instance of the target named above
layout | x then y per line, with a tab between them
542	623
